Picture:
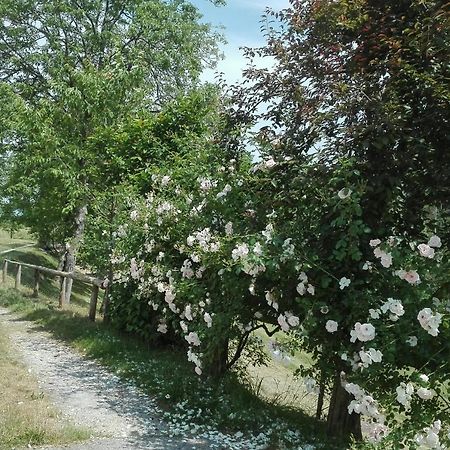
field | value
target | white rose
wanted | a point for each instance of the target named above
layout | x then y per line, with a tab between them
293	321
270	163
344	282
412	277
426	394
386	260
301	288
363	332
192	338
283	322
208	319
435	241
331	326
375	355
344	193
165	180
426	251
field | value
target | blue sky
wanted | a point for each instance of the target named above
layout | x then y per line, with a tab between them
241	22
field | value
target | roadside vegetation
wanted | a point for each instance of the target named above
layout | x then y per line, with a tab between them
301	213
19	239
251	400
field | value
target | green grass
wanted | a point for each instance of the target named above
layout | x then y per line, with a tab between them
19	239
49	286
26	416
276	381
231	404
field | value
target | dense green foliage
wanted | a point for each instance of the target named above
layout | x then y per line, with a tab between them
228	404
359	93
78	68
98	50
367	80
125	158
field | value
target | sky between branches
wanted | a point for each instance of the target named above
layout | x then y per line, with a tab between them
241	20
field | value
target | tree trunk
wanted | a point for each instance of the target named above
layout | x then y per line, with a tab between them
69	266
218	365
320	399
69	258
341	424
108	291
80	221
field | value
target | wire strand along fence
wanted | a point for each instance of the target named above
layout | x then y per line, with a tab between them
96	283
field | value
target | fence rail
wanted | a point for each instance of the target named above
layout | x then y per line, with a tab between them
96	283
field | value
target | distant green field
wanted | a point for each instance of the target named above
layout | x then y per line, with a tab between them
19	238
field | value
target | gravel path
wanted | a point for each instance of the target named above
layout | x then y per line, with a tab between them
90	396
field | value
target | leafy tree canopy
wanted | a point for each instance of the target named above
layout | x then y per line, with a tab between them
78	67
162	43
364	79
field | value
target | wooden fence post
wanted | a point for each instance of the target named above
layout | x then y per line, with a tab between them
18	277
64	278
106	303
93	303
107	297
5	270
62	293
37	277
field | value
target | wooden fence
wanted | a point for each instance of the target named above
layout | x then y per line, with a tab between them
96	283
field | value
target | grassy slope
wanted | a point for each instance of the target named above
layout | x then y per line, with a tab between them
230	404
19	239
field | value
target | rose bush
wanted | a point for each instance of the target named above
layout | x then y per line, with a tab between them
214	253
